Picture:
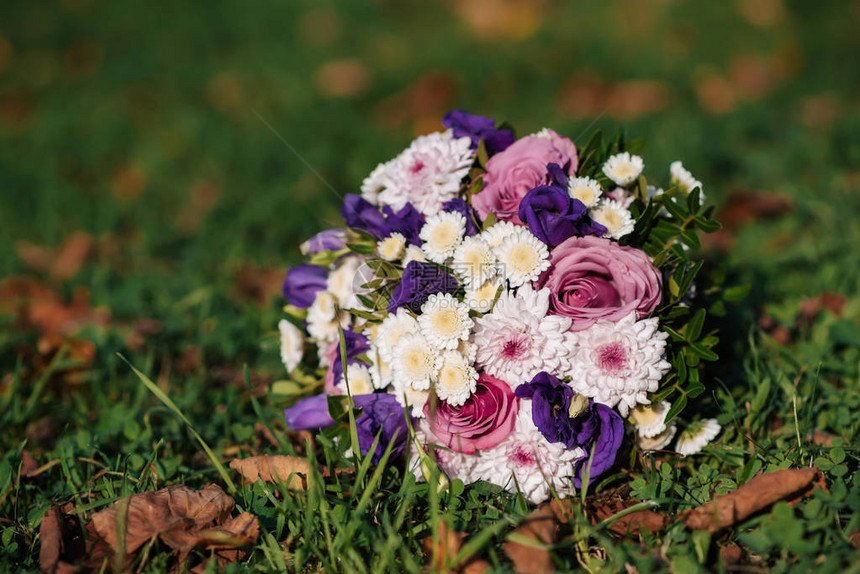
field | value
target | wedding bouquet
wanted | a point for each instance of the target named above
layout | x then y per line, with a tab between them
512	309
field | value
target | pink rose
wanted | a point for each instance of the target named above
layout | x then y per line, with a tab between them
591	278
483	421
514	172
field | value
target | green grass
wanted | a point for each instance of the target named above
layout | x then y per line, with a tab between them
116	117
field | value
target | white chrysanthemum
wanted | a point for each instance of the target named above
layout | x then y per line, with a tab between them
468	350
340	281
442	234
322	322
410	397
614	217
526	460
292	344
473	261
360	381
481	298
444	321
457	464
543	133
380	371
650	420
427	173
456	378
618	364
522	257
657	442
375	182
623	168
684	179
584	189
413	253
519	339
392	247
696	436
391	330
414	361
497	233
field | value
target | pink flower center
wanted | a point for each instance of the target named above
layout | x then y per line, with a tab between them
611	357
416	166
523	457
515	347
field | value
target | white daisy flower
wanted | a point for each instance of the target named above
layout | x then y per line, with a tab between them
414	361
441	234
474	261
519	339
427	173
498	232
392	247
468	350
657	442
650	420
322	322
623	168
696	436
618	364
391	330
522	257
614	217
481	298
456	378
444	321
413	253
584	189
380	371
340	281
543	133
684	179
407	396
375	182
360	381
526	460
292	344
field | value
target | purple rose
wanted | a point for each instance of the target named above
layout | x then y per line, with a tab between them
478	128
552	215
458	205
356	344
486	418
328	240
380	412
302	284
420	280
598	429
514	172
309	413
590	279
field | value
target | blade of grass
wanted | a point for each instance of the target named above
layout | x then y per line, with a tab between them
162	396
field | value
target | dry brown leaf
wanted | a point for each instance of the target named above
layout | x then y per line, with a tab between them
430	95
175	514
541	526
444	549
607	504
823	438
342	78
257	284
276	468
588	96
757	494
742	207
61	541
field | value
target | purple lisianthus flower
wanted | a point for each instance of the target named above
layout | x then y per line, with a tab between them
407	221
598	428
381	412
328	240
478	128
309	413
458	205
356	344
358	213
302	284
420	280
552	215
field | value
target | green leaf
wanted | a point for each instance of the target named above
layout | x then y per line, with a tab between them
703	352
694	201
707	225
694	327
677	407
